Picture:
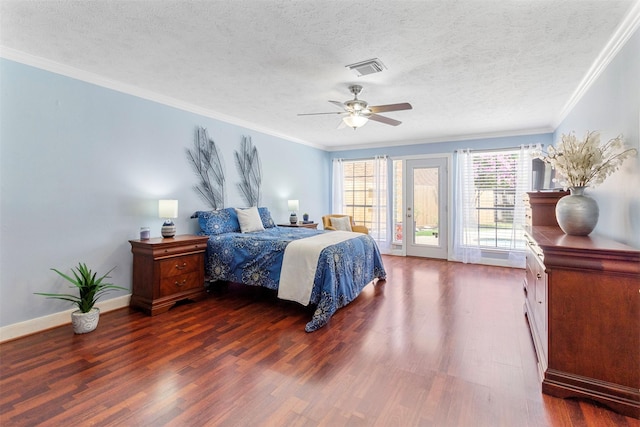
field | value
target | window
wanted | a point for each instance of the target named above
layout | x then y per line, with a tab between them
494	182
489	210
360	190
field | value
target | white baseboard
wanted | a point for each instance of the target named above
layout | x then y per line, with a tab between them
38	324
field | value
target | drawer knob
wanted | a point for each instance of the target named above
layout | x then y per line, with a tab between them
179	284
181	267
538	276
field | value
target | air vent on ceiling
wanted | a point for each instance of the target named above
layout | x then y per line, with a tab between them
370	66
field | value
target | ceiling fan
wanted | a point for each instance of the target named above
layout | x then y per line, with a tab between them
357	112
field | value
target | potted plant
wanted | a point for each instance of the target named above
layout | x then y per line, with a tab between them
90	289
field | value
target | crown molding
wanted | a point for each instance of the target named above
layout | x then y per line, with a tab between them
622	34
92	78
625	30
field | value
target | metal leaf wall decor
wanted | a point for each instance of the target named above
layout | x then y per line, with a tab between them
248	165
208	167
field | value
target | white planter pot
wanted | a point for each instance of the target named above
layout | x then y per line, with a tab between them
85	322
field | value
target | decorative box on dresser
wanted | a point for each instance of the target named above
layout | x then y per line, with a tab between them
166	271
582	301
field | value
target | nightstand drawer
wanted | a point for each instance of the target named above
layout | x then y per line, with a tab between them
184	282
178	250
180	265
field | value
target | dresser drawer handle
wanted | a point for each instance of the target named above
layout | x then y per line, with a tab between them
180	284
181	267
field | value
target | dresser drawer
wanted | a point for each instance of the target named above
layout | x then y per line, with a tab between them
180	265
183	282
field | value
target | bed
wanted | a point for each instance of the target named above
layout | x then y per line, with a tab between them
256	258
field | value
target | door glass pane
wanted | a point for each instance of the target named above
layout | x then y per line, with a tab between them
398	212
425	207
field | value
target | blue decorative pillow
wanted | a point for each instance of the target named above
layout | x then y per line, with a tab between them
218	222
265	216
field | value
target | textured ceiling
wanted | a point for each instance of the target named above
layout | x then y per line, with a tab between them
468	67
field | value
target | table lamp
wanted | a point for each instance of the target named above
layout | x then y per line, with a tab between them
168	209
293	207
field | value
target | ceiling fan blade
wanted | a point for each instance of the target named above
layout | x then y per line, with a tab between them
385	120
338	104
390	107
317	114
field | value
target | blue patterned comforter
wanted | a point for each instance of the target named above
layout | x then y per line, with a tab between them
255	259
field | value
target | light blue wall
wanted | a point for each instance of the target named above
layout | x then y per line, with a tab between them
612	105
82	168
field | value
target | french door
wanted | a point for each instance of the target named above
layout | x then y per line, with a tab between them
425	217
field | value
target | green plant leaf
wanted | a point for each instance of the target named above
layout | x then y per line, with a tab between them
90	287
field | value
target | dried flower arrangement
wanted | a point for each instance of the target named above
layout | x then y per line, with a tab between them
586	163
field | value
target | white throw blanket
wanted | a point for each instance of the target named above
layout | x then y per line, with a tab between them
300	261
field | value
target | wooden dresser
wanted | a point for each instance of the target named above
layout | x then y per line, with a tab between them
582	301
166	271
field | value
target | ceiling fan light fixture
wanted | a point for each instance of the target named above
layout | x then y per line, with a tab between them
355	121
357	112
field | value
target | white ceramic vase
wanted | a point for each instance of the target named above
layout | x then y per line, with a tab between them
85	322
576	213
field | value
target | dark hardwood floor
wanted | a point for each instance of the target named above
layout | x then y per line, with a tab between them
438	344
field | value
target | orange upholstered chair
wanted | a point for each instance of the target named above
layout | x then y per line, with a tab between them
326	223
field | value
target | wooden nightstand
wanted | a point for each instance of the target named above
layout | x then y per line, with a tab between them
166	271
313	225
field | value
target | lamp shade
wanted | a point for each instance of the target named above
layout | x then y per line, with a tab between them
168	208
294	205
355	121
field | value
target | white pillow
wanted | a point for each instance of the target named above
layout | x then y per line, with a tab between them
249	219
341	223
